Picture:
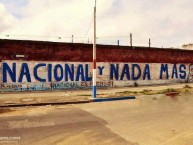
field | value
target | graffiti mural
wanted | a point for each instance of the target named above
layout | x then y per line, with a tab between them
190	75
34	75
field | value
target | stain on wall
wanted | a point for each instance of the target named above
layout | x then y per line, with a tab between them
75	52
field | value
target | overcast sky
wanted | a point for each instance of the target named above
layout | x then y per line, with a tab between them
169	23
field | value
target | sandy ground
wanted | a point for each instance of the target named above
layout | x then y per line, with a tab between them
151	119
148	121
56	125
79	95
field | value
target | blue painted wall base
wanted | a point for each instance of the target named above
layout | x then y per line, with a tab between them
113	99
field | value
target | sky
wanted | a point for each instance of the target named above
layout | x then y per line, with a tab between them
168	23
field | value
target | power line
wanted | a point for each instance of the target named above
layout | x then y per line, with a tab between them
88	28
79	39
40	36
112	36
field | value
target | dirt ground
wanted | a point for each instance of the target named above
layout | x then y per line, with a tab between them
56	125
14	98
151	119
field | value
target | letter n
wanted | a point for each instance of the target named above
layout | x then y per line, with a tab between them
114	71
11	72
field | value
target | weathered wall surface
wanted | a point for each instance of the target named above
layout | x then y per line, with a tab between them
49	65
52	51
47	75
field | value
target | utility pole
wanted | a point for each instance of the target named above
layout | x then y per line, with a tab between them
149	42
94	55
118	42
72	38
131	40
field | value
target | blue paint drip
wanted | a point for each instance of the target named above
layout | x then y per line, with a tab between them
94	91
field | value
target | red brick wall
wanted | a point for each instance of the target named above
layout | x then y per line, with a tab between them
74	52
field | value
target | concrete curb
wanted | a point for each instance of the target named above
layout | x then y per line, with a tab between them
113	99
66	103
44	104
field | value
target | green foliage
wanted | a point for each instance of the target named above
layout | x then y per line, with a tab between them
187	87
146	92
127	92
169	90
136	84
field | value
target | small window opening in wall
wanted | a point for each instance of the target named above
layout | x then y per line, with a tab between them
20	56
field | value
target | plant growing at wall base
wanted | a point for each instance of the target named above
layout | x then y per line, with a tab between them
187	87
136	84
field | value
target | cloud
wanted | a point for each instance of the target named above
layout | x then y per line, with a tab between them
7	20
168	24
14	7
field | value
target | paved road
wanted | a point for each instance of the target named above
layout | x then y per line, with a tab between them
149	120
65	125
